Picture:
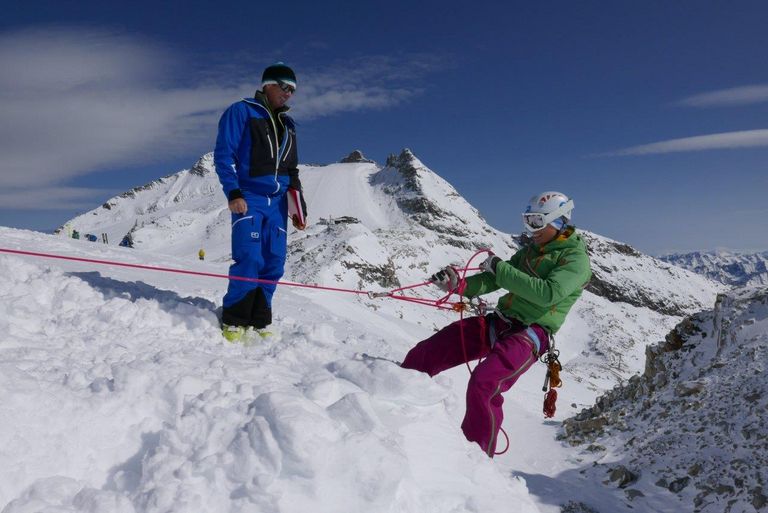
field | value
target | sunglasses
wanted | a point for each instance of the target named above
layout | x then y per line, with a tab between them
286	88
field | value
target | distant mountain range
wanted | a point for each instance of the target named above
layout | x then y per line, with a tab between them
730	268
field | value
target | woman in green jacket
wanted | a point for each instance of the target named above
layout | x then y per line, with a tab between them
543	279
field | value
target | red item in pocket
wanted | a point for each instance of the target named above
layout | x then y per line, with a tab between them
295	212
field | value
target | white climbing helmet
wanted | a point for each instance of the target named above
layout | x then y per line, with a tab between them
545	208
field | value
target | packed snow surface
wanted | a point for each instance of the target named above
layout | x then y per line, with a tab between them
119	394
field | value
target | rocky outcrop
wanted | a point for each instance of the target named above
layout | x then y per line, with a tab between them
420	204
356	157
203	166
693	422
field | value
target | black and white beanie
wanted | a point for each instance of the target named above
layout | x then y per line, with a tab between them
278	73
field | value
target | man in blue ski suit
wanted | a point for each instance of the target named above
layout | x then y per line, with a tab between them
256	161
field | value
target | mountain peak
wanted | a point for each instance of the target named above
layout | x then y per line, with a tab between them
406	159
203	166
356	157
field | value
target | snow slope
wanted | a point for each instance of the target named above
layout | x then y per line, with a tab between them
121	395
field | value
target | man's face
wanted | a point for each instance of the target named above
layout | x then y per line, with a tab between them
545	235
277	95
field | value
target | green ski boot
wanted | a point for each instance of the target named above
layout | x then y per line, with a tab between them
234	334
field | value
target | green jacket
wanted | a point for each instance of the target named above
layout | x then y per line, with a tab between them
543	283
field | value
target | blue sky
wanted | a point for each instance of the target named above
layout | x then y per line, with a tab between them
651	115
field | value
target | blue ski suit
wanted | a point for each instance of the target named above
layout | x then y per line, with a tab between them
256	159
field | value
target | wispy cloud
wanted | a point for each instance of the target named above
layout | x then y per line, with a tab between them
376	82
726	140
79	100
50	198
76	101
735	96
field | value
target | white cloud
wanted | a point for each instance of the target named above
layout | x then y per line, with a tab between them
376	82
735	96
726	140
50	198
75	101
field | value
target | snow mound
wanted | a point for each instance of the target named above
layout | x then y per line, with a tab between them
122	396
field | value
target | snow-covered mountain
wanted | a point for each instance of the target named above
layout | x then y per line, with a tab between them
123	386
377	227
731	268
691	430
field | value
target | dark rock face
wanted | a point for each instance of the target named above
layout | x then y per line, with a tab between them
613	263
617	294
412	200
404	163
384	275
200	168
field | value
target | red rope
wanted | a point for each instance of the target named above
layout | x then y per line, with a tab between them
549	403
180	271
459	290
439	303
427	302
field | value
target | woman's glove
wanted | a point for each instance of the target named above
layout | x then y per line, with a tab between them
489	264
447	279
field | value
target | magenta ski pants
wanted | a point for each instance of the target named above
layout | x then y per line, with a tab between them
513	353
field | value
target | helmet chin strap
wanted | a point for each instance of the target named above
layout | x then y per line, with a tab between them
562	229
